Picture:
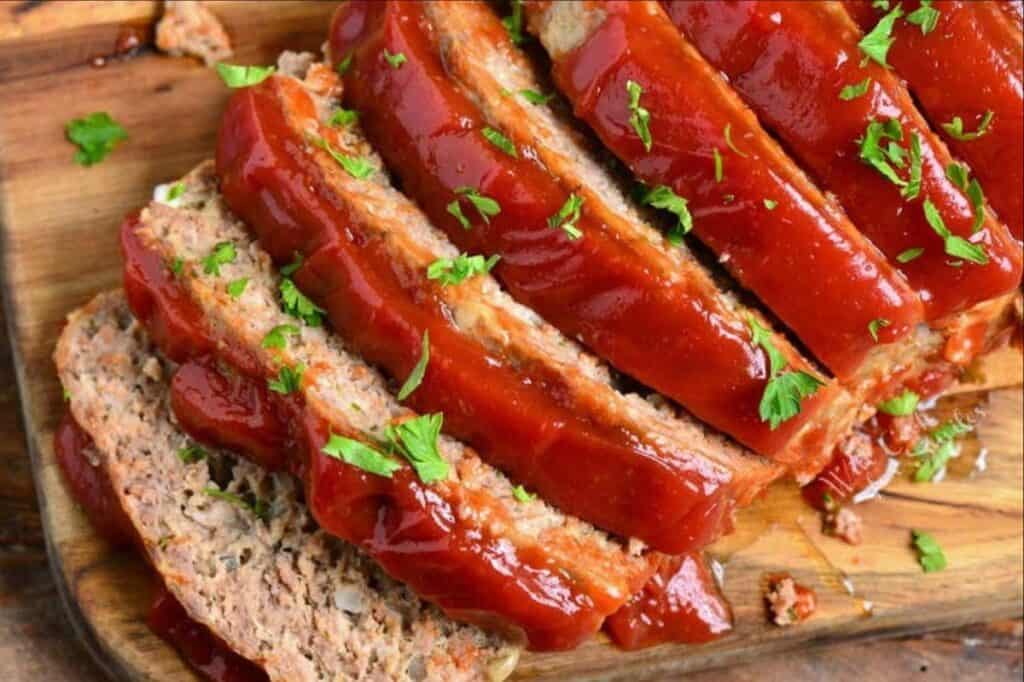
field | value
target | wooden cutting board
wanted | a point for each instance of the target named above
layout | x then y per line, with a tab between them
59	225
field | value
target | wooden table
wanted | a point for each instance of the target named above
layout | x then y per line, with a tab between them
37	644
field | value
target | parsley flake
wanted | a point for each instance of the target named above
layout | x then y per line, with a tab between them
288	379
856	90
664	198
902	405
910	254
360	456
176	190
729	142
451	271
96	135
345	64
955	128
278	336
500	141
343	117
395	60
875	45
770	204
296	304
784	390
925	16
416	440
639	117
358	167
238	76
567	217
484	205
514	23
415	378
959	175
176	265
222	254
955	246
296	263
876	324
519	492
534	97
719	166
258	507
883	158
937	448
190	454
237	287
929	553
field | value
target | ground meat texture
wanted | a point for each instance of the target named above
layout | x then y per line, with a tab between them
187	27
789	603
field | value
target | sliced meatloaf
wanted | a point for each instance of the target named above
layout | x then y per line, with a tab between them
282	593
559	561
528	399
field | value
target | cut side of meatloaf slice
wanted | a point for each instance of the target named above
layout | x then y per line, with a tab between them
455	540
281	592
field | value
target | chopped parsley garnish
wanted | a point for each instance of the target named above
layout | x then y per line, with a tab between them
883	158
937	448
451	271
856	90
929	554
960	176
567	217
190	454
416	440
519	492
296	304
639	117
343	117
785	390
664	198
729	142
358	167
258	507
534	97
96	135
176	265
288	379
237	287
719	167
500	141
176	190
955	128
65	394
514	23
876	324
395	60
910	254
484	205
345	64
415	378
222	254
902	405
296	263
278	336
237	76
360	456
955	246
875	45
881	4
925	16
770	204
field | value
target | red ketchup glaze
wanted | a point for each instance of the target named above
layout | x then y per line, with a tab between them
971	63
201	649
789	61
802	258
681	603
853	467
408	527
668	335
538	432
89	485
1014	11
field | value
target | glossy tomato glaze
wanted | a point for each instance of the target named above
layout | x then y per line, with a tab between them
89	485
91	488
681	603
408	527
789	61
803	259
1014	11
536	431
597	289
971	63
203	650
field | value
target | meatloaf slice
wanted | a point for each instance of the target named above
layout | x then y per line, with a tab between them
282	593
569	575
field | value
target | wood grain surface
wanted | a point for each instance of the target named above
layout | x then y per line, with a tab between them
59	248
